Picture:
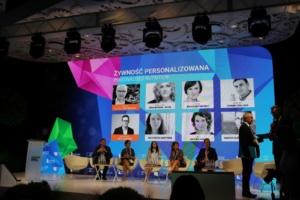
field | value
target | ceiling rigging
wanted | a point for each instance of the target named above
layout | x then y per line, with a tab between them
110	28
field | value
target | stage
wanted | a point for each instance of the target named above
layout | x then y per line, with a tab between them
86	187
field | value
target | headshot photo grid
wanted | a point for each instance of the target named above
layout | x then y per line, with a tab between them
195	98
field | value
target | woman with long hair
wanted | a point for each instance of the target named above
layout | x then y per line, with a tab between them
176	158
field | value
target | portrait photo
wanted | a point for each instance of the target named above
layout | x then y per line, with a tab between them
125	127
160	95
197	94
160	126
231	122
196	126
126	97
236	93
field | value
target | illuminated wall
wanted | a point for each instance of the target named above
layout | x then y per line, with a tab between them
215	69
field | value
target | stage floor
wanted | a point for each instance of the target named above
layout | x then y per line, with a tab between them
86	184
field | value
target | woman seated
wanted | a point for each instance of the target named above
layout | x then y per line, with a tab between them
176	158
152	157
127	158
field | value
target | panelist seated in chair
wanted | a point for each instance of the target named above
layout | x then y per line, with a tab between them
153	156
102	155
127	158
205	155
176	158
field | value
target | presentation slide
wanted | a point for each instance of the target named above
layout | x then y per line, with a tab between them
181	96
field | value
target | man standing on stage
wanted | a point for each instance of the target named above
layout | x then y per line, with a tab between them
276	148
248	150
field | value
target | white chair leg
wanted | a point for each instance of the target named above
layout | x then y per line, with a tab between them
238	180
158	176
131	175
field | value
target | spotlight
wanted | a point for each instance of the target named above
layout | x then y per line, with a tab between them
4	45
152	34
108	38
259	23
72	42
201	29
37	45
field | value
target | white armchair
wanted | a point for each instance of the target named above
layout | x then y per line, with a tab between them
143	163
187	161
101	167
74	162
233	165
260	172
120	167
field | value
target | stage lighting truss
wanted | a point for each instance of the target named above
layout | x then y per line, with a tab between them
108	42
37	45
4	46
259	23
152	34
72	41
201	29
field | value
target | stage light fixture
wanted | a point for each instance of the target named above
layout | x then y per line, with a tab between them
4	46
152	34
37	45
201	29
72	41
259	23
108	42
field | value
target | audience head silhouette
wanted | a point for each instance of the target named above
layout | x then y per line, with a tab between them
32	191
122	193
186	185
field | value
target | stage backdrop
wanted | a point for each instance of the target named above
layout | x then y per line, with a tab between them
171	72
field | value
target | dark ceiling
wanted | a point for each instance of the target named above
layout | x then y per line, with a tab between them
12	4
53	18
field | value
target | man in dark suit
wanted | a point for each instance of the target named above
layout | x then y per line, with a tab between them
205	154
124	129
105	151
247	145
276	148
